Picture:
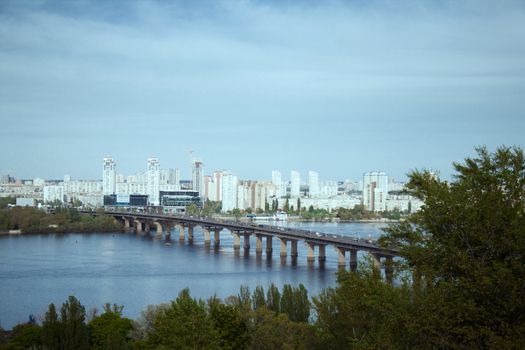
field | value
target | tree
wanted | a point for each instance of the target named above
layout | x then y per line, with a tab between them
229	324
192	209
295	303
465	250
273	299
25	336
51	329
298	204
74	332
258	300
185	324
286	207
110	330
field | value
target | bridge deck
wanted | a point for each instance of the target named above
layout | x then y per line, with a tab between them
317	238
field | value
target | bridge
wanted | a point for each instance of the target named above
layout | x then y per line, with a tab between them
163	224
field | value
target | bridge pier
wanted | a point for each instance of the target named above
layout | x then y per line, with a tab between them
217	236
341	258
138	226
246	243
236	241
353	260
146	227
389	269
207	239
190	233
310	252
269	245
283	247
159	228
293	244
322	253
376	260
181	232
126	224
258	244
167	234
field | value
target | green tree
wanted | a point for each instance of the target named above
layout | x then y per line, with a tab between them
230	325
192	209
465	250
184	325
298	204
25	336
258	299
295	303
51	329
74	332
273	299
110	330
286	207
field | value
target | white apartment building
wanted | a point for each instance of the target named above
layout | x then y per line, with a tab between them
153	181
375	190
229	184
295	184
277	181
108	176
53	193
197	176
313	184
328	189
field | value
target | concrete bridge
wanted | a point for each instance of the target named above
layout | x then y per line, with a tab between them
288	237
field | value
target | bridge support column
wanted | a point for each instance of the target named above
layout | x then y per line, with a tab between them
158	228
126	224
146	227
181	232
283	247
190	233
168	226
246	243
389	270
217	236
258	244
353	260
322	253
293	244
310	254
269	245
138	226
207	238
376	261
341	259
236	241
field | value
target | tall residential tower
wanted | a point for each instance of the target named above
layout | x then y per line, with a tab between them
109	176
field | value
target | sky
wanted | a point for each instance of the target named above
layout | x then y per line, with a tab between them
339	87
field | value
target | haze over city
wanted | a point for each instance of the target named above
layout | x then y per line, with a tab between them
250	86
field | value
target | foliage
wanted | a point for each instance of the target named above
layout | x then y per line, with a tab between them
32	220
466	251
359	212
110	330
316	214
185	324
5	201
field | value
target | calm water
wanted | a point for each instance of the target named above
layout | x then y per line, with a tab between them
136	270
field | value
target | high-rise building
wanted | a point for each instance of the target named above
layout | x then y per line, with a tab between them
295	184
313	184
109	174
153	181
229	184
375	190
277	181
217	180
197	176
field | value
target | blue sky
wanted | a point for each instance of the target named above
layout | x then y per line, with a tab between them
341	87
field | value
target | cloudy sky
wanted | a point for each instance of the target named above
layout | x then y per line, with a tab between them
341	87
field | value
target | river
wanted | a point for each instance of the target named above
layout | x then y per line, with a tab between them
136	271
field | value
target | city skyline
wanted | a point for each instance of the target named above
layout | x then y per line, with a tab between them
252	86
